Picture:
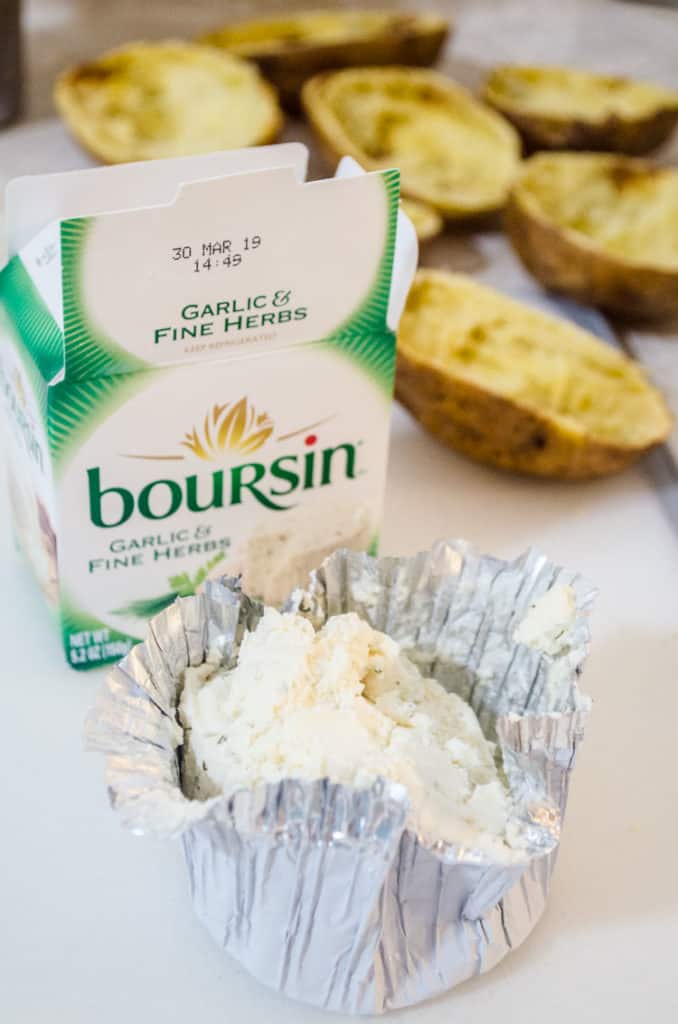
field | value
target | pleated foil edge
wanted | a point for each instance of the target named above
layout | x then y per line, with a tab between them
322	891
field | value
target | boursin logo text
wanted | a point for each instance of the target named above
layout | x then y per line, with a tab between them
228	429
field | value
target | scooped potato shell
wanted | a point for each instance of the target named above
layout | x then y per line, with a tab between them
454	153
570	262
498	430
632	132
163	99
495	431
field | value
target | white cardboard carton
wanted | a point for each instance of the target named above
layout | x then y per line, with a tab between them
196	370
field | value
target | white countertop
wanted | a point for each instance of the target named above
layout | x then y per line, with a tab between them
97	925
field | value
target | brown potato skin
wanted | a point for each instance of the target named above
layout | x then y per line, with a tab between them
586	272
500	433
409	42
613	135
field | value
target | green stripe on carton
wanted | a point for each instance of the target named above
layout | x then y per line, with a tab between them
77	409
88	353
365	337
38	331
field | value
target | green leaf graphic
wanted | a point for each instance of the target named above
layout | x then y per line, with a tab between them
182	585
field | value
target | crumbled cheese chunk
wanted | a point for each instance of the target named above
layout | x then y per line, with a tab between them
344	703
549	620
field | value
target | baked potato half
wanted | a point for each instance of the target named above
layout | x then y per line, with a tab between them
426	221
519	389
565	108
453	153
149	100
291	49
600	227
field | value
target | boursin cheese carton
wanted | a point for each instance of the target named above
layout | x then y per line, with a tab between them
196	371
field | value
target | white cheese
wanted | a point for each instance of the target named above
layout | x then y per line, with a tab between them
548	622
345	703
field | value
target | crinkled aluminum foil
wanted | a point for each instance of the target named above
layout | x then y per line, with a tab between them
322	891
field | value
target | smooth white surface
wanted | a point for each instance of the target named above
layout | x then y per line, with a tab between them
97	924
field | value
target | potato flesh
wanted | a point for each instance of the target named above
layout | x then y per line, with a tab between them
167	101
426	221
631	215
568	93
445	145
532	359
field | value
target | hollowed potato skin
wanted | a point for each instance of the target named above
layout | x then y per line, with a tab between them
632	133
84	129
497	432
335	144
491	426
585	271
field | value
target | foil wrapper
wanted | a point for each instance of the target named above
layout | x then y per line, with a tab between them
322	891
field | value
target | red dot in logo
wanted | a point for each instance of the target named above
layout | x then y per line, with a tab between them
311	439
